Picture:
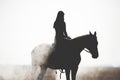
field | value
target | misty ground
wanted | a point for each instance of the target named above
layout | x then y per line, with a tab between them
84	73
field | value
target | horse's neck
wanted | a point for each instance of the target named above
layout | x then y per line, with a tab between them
80	43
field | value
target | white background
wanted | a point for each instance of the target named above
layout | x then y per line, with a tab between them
25	24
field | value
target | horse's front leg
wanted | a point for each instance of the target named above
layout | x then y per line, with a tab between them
73	72
67	71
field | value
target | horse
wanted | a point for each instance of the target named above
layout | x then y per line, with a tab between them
68	56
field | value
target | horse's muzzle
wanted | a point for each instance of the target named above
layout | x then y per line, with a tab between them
95	56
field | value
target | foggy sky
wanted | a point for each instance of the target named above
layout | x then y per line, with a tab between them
25	24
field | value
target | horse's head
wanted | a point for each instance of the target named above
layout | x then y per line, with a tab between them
92	45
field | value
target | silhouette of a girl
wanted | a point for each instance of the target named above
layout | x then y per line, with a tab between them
60	28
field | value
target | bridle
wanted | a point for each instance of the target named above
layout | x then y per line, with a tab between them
86	50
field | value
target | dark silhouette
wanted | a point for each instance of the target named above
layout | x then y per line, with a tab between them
60	29
68	56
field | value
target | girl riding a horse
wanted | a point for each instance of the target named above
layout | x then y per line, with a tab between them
60	28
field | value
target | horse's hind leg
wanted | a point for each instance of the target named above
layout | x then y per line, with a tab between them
34	72
73	72
42	72
67	74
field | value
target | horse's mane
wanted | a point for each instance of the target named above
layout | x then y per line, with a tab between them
79	37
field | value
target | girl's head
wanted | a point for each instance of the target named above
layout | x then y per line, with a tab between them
60	16
60	13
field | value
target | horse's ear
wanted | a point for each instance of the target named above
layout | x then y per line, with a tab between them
95	33
90	33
